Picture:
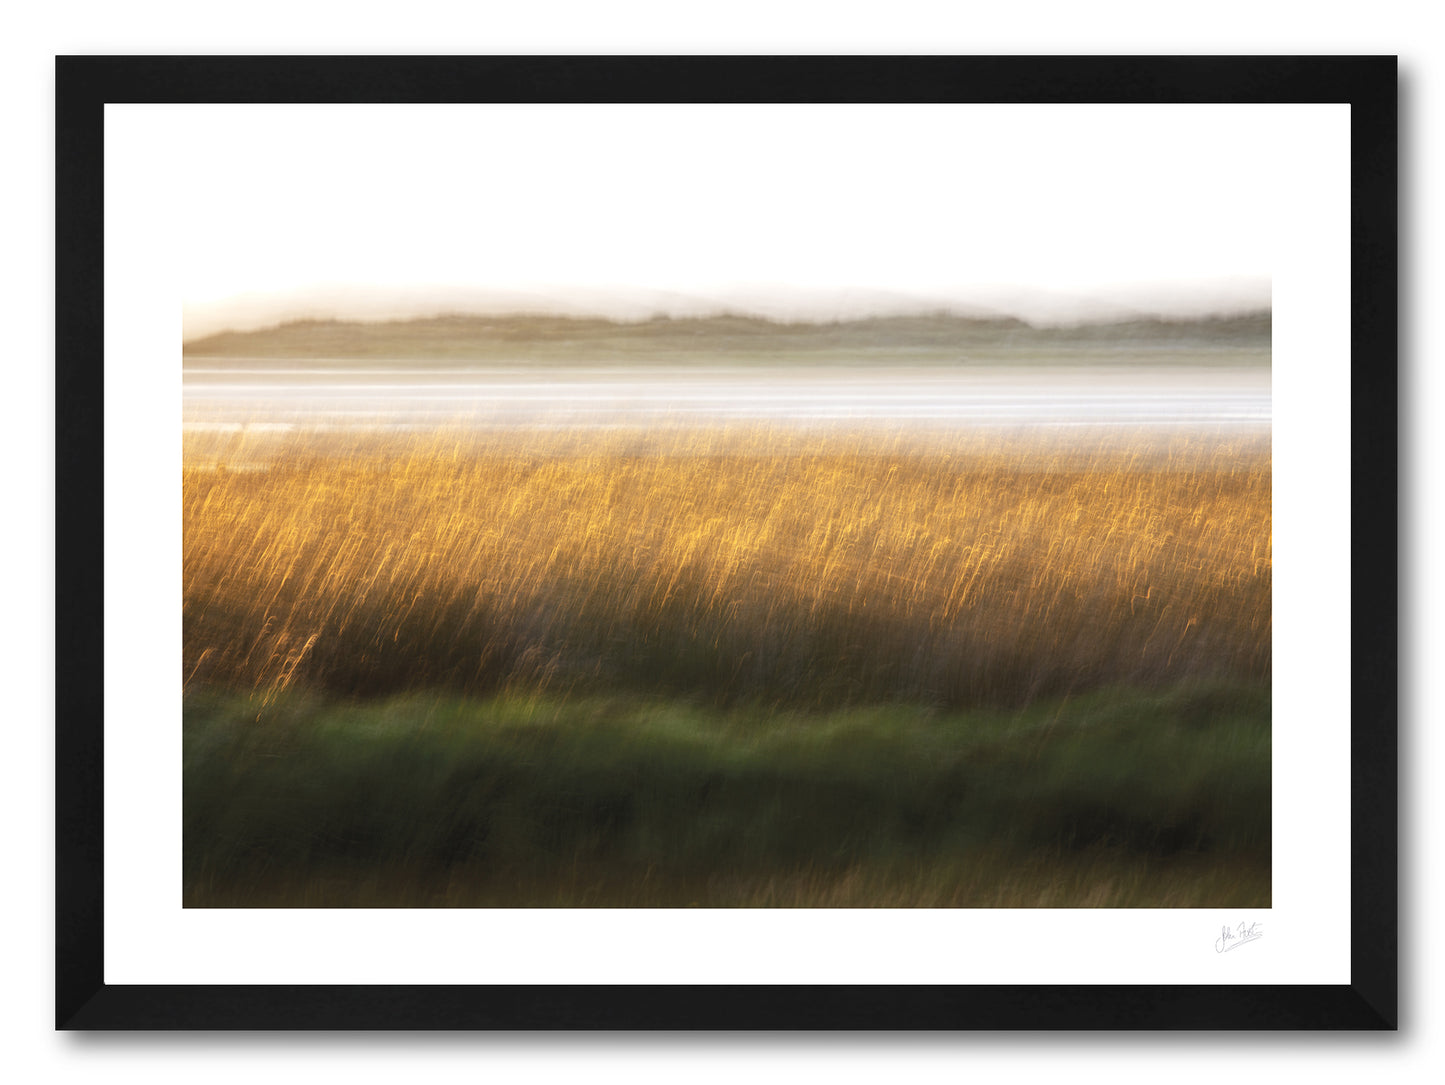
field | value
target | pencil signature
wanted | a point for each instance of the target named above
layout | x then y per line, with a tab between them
1234	937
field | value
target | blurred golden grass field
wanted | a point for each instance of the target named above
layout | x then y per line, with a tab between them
724	565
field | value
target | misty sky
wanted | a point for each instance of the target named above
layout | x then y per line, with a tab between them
791	211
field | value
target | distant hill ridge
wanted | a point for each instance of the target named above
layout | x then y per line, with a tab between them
560	337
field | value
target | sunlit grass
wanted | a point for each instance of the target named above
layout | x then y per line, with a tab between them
723	567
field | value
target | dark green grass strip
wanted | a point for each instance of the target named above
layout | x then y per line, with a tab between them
538	802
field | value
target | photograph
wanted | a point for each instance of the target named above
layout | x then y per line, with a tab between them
662	506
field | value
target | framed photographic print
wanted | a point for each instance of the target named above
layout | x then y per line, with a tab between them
739	543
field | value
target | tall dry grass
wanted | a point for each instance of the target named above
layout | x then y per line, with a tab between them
724	566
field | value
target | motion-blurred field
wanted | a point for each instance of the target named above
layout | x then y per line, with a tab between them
813	576
724	572
1117	799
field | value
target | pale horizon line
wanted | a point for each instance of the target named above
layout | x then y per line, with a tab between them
259	311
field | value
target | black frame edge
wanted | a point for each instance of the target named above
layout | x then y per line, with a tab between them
1374	601
728	1009
79	536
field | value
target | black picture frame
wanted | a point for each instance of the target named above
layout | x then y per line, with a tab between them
85	84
